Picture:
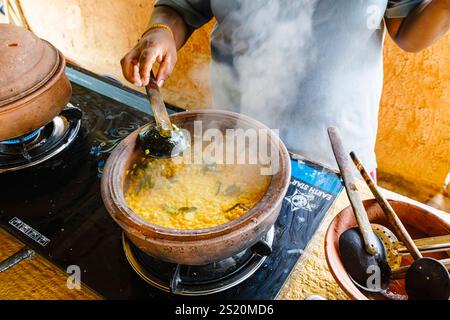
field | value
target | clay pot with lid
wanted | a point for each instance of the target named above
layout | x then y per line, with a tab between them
195	247
33	86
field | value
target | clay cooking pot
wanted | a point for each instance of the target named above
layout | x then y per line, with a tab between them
33	86
194	247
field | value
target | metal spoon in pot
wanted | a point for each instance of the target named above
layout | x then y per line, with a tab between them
427	278
361	250
160	139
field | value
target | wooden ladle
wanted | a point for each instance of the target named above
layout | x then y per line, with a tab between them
426	278
360	249
160	139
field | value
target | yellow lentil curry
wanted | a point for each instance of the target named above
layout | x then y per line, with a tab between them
193	196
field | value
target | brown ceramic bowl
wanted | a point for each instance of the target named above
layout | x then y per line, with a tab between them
194	247
419	222
33	85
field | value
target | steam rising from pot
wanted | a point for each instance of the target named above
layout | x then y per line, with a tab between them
260	54
268	47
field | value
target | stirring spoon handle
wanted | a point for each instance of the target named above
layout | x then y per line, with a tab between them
400	273
430	244
388	210
159	108
352	192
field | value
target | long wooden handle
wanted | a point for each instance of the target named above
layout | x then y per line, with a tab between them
400	273
343	162
430	244
388	210
159	108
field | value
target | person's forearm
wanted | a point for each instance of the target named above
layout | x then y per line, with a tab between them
424	25
169	17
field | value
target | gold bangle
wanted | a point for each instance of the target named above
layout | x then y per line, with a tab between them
158	26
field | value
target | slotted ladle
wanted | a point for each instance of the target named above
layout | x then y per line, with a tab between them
426	278
361	250
160	138
396	250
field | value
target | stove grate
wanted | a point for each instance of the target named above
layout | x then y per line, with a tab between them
42	144
198	280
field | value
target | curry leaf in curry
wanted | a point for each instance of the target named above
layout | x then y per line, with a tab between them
187	209
237	205
170	210
231	190
174	211
219	185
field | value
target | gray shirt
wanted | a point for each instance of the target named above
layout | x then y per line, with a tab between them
300	66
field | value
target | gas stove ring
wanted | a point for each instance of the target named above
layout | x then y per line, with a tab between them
23	139
252	264
72	131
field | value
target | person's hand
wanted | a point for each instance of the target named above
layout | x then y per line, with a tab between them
157	45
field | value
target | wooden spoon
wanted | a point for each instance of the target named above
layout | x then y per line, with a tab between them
360	249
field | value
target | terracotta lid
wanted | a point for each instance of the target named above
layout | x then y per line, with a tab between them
26	63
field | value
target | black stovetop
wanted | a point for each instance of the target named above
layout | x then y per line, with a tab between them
60	199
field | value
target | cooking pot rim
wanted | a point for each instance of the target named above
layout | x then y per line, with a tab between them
127	218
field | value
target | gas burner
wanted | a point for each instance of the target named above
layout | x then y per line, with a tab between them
42	144
23	139
199	280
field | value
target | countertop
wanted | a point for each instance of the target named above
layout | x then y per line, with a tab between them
37	278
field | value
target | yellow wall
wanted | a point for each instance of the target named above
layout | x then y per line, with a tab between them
413	144
414	133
